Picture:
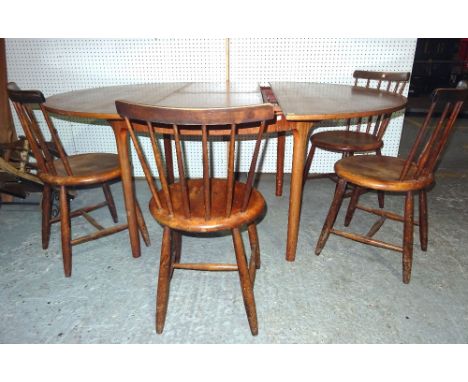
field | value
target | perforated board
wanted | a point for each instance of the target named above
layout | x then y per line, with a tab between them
326	60
60	65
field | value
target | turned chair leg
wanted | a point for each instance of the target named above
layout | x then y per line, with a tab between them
308	163
281	142
46	212
110	202
357	191
163	280
245	281
65	228
423	225
332	214
142	224
408	237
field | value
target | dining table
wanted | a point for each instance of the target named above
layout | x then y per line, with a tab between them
299	106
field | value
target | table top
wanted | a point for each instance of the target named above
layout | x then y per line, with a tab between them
299	101
309	101
99	103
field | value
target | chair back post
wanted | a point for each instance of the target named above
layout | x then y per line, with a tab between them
23	101
432	148
56	140
144	163
200	122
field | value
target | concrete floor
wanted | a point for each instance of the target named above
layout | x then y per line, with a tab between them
351	293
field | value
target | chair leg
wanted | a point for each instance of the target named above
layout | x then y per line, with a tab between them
380	194
308	163
332	214
46	212
281	142
408	237
177	240
254	244
352	205
142	225
246	284
163	280
110	202
423	225
381	198
65	228
176	249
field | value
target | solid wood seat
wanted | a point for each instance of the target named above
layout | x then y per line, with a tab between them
346	141
380	173
352	139
201	205
87	169
69	171
218	221
410	175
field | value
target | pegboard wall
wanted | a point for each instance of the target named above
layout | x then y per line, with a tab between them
61	65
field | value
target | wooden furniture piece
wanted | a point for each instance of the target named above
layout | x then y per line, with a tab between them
7	132
17	177
201	205
368	134
301	104
409	176
65	174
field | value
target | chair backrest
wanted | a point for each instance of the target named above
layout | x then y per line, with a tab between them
204	120
429	145
393	82
24	101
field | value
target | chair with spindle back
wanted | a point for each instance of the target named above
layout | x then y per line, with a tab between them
367	137
67	173
390	174
201	205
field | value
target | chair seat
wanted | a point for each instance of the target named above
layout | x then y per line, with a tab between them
346	141
87	169
218	220
379	173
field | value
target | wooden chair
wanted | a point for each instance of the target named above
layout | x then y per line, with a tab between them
350	141
390	174
18	175
67	173
201	205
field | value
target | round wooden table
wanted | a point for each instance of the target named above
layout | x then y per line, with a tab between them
301	105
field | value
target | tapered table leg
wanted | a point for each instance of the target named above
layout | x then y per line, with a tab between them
300	136
281	142
121	138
